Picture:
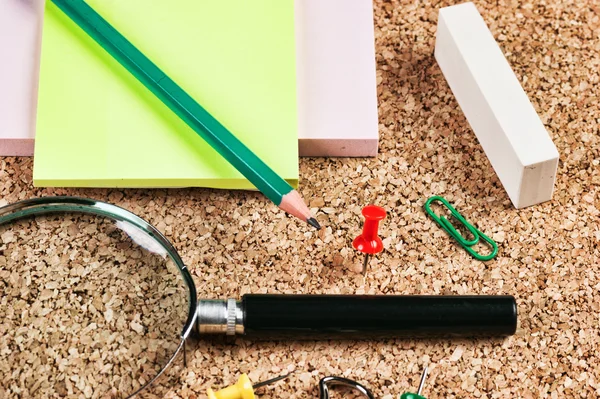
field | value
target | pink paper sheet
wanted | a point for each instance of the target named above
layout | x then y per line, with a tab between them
337	97
20	28
336	78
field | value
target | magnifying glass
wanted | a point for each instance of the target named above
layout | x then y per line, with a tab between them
96	301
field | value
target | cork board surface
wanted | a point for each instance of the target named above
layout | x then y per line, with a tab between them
237	243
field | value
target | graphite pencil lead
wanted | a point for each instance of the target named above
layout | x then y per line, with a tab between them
313	222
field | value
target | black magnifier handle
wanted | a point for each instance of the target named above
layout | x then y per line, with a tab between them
358	316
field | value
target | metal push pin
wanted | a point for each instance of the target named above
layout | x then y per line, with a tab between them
368	242
410	395
243	389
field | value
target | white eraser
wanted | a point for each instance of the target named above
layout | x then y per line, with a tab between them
20	28
336	78
496	106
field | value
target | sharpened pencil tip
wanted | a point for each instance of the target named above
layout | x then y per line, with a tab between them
313	222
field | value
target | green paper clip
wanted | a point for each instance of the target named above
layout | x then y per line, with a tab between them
451	230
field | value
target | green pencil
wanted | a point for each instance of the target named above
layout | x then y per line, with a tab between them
192	113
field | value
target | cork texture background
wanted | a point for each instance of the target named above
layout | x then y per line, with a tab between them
549	257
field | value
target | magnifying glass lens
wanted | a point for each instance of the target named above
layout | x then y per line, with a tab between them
90	306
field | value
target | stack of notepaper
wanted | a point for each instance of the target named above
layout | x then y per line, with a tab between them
98	126
284	77
20	26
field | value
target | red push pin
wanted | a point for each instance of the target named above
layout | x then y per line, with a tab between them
368	242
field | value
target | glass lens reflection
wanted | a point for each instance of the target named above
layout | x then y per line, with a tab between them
88	307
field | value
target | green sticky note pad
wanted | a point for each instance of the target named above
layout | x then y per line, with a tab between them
98	126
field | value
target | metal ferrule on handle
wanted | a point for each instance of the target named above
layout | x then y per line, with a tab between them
358	316
220	317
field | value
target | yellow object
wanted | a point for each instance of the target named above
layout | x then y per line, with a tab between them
241	390
98	126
